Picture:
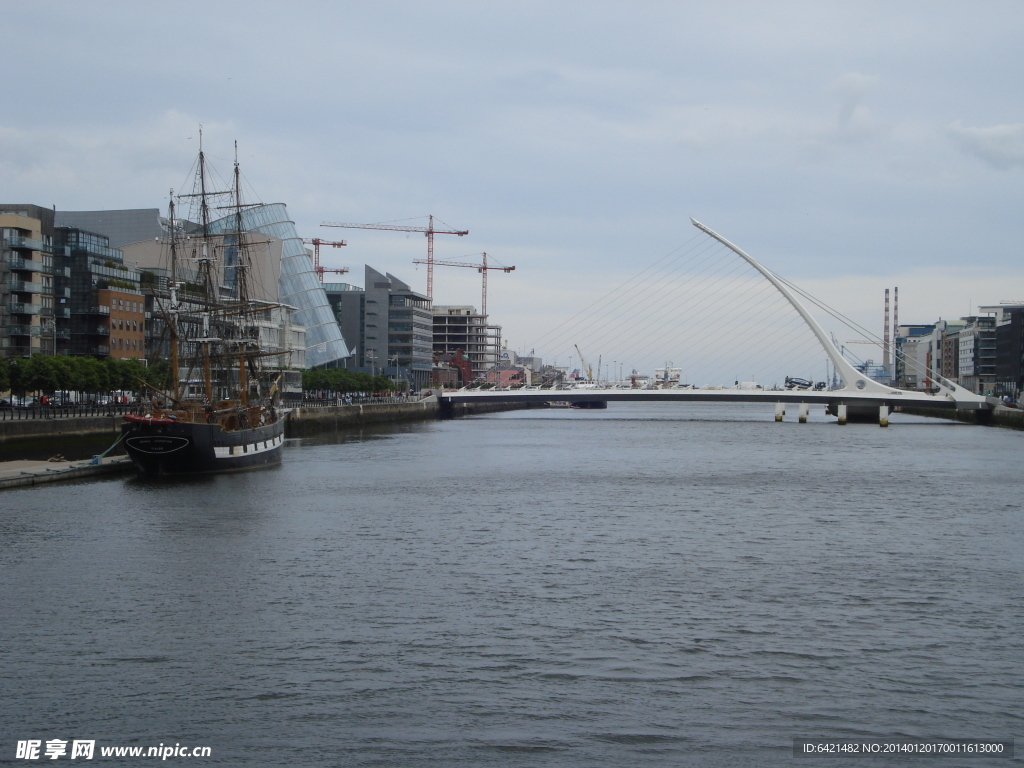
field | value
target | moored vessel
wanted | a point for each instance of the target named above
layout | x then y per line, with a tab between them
218	407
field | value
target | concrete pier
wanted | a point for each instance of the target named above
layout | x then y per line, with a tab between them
14	474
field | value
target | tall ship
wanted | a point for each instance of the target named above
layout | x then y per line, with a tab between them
217	408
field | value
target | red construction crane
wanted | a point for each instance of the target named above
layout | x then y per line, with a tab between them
316	242
428	230
481	268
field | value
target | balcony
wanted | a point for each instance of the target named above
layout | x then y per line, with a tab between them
18	308
99	330
28	244
20	286
95	250
102	350
19	351
63	312
23	330
57	271
100	310
62	293
26	265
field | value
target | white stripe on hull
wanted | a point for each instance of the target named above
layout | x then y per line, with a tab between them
227	451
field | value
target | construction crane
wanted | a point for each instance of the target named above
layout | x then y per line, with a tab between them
316	242
481	268
583	364
428	230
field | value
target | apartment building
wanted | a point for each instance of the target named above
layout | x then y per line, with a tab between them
33	284
108	313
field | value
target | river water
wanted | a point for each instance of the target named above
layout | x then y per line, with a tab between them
654	584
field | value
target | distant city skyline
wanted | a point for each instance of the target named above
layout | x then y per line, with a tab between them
849	147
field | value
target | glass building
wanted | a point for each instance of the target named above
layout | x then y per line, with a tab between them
298	283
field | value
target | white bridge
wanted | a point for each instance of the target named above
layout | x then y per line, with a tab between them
857	396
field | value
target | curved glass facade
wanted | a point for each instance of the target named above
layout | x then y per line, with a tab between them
298	283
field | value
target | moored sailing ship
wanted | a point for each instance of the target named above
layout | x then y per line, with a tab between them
219	410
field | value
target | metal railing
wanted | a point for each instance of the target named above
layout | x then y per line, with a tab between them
20	308
22	286
337	400
28	243
19	413
25	265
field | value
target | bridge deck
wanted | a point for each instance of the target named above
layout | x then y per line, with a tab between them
892	399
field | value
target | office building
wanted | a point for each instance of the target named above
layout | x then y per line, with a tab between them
390	325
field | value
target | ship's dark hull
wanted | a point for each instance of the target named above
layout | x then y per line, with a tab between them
162	447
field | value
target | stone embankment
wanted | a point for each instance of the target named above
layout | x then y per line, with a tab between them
310	419
303	419
307	419
1012	418
67	426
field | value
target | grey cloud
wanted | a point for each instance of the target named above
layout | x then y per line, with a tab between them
1001	146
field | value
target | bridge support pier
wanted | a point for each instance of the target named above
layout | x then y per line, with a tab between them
780	411
883	415
804	410
841	413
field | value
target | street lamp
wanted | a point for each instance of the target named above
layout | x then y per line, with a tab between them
52	323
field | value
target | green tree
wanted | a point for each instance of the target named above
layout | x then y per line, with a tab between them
45	374
158	375
92	375
20	374
61	367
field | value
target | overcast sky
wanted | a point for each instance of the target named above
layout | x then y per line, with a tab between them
849	146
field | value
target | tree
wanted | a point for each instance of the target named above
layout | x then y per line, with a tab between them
91	375
44	373
19	373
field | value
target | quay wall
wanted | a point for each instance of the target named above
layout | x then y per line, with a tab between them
307	421
71	426
87	435
1012	418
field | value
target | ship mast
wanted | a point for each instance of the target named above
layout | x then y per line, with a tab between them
242	289
205	259
173	314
